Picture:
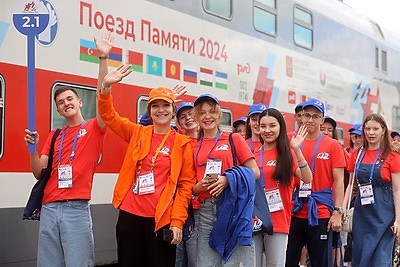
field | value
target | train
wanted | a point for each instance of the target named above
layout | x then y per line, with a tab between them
278	52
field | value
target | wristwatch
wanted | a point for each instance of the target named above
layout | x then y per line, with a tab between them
339	209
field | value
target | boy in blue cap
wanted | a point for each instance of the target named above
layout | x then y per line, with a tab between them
316	210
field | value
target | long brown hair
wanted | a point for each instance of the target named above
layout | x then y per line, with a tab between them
385	142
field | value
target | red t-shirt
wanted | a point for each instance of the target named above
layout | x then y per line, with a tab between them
280	218
87	153
221	151
328	156
391	164
254	144
145	205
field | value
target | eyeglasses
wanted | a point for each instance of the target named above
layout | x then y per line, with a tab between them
314	117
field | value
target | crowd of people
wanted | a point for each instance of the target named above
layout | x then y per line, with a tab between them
186	194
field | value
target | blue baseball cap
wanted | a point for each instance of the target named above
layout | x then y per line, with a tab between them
236	122
330	120
256	109
298	108
394	133
356	129
205	97
184	105
316	103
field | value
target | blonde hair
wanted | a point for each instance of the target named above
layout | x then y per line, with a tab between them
197	112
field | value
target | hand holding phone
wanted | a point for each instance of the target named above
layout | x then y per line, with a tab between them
168	235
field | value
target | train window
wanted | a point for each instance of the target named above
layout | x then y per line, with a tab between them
2	105
384	61
303	28
226	120
340	134
88	96
220	8
377	57
396	118
265	16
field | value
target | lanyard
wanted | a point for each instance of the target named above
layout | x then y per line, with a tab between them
251	145
314	153
262	168
371	174
208	153
71	157
153	159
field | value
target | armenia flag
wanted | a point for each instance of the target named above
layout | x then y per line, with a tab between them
190	73
206	77
221	80
172	69
154	65
88	51
136	59
115	57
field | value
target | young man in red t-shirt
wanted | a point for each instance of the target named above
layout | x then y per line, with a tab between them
65	232
326	160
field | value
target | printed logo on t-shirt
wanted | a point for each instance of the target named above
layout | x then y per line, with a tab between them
222	147
165	150
323	155
271	163
82	132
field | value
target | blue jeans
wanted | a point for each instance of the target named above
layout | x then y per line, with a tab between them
186	250
65	235
206	256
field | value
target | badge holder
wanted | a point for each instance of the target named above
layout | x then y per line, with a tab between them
366	194
274	199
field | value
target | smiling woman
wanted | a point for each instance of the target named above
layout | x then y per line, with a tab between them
377	171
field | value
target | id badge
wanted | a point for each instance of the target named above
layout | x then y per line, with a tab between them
213	167
305	189
145	183
64	176
274	199
366	194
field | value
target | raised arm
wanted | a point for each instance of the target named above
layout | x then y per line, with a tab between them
103	47
303	171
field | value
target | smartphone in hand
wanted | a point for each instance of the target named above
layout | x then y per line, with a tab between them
168	235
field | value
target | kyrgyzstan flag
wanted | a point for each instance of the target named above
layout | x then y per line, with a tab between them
172	69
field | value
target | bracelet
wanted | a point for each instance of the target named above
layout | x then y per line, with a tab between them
300	160
103	57
303	166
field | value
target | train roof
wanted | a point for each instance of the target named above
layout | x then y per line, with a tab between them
344	14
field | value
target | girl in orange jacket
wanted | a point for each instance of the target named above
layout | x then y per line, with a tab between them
155	182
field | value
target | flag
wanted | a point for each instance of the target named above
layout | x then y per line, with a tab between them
115	57
190	73
221	80
136	59
154	65
172	69
291	97
88	51
206	77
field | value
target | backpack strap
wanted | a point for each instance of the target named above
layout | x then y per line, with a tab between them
233	149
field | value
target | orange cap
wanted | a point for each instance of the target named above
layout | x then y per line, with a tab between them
162	93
